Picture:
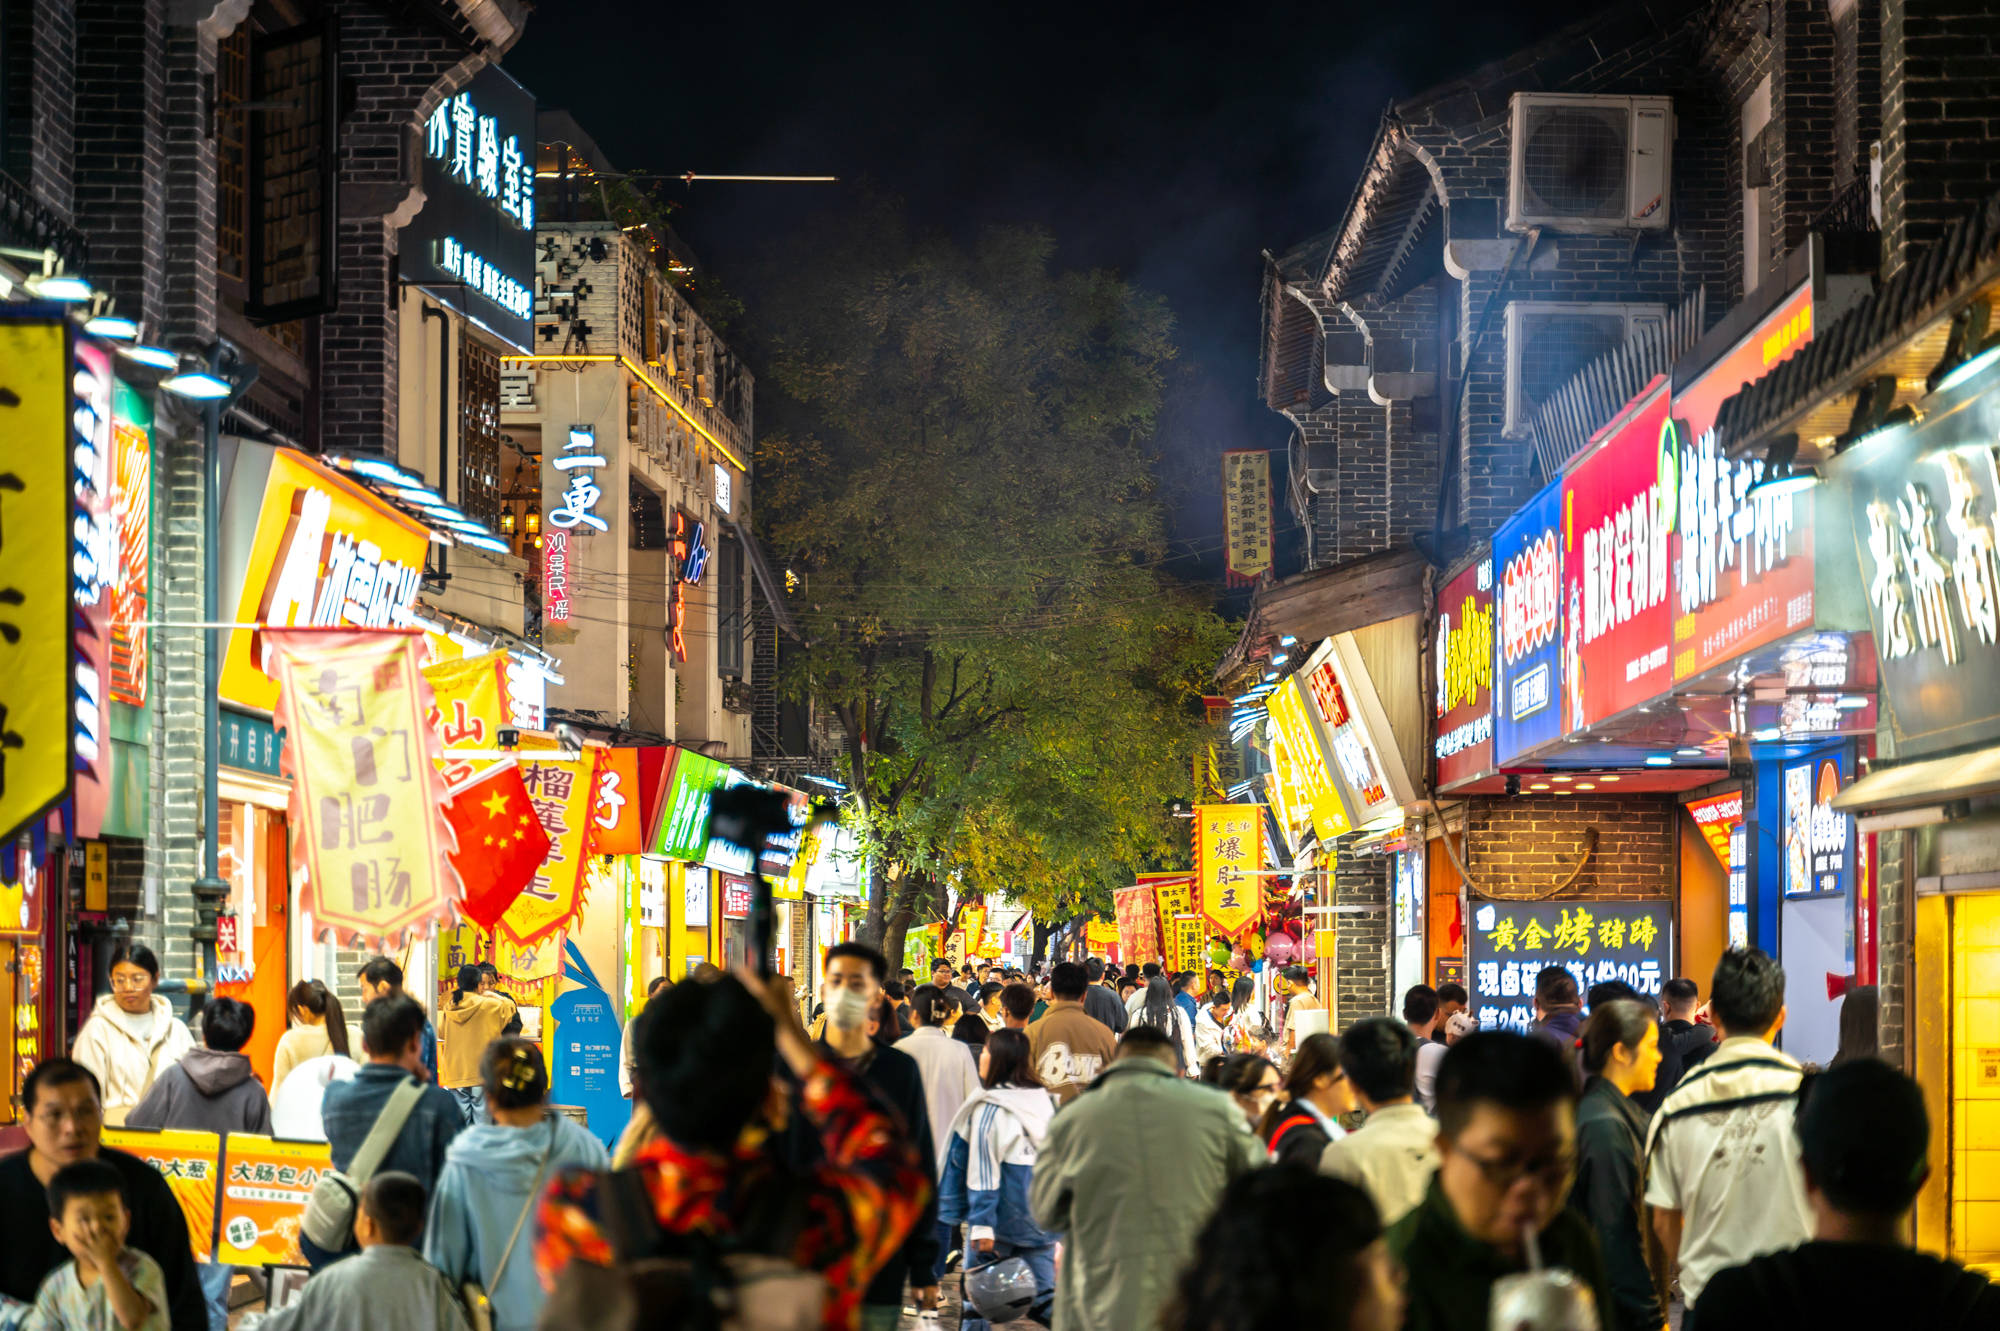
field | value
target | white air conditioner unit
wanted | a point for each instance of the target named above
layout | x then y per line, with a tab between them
1590	163
1548	342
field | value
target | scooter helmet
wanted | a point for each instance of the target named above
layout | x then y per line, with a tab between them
1001	1291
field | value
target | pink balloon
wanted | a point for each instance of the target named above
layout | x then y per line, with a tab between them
1308	954
1239	960
1280	948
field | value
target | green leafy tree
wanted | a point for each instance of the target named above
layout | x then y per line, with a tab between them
960	473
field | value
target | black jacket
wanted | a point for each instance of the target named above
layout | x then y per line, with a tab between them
1824	1284
1298	1139
28	1251
1610	1164
1103	1004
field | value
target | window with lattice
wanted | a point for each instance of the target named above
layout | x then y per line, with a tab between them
232	156
479	431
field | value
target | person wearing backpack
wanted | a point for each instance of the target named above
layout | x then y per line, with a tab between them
493	1176
711	1199
417	1121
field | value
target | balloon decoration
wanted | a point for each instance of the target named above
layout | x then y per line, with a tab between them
1279	949
1254	945
1218	952
1239	960
1308	951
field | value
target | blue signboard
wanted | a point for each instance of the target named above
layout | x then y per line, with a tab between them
583	1056
1527	627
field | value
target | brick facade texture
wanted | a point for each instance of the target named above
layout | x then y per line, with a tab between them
1940	67
1361	939
1524	846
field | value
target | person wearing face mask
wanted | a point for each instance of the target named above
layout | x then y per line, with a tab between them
852	995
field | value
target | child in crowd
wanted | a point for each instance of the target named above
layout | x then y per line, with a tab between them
108	1286
387	1284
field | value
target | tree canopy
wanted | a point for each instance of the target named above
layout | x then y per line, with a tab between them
957	468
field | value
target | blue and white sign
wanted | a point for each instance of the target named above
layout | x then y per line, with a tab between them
583	1056
1527	635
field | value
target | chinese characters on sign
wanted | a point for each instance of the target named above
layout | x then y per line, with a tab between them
1527	605
1138	923
1464	656
1720	818
555	575
1367	768
1819	839
1595	941
190	1162
484	276
469	145
1246	512
577	465
265	1184
1297	753
1229	840
559	793
132	518
94	576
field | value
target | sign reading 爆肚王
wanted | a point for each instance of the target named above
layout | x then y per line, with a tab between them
1511	942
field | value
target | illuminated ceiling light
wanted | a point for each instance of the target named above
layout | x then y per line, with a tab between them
1659	760
1851	703
1688	753
1562	778
198	386
153	358
1586	785
1968	369
1607	778
418	494
1281	658
481	541
1767	734
62	287
115	327
379	469
1791	480
1288	641
1539	785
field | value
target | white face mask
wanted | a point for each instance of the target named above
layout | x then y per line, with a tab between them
847	1009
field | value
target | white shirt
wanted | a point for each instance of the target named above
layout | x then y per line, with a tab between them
1429	1055
1391	1157
949	1075
1724	1152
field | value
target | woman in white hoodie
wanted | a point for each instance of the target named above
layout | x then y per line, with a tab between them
989	1164
948	1073
132	1035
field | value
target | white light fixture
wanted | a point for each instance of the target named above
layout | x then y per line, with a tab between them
1766	734
1688	753
481	541
154	358
379	469
1853	702
419	494
1789	481
198	386
1586	785
1659	760
112	326
1968	369
62	287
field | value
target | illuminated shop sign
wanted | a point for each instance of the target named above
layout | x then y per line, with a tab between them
1367	768
1527	608
1720	818
577	465
472	245
1595	941
688	546
1301	762
93	563
555	575
1921	503
132	529
1616	620
1464	658
1818	839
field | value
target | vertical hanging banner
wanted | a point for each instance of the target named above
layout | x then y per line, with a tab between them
529	971
560	793
132	529
93	576
972	922
616	814
469	705
370	837
1138	923
1229	853
1246	512
1100	938
1173	897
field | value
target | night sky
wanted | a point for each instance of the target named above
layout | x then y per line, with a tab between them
1173	146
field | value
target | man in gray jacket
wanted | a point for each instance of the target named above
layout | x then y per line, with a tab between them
1139	1133
213	1088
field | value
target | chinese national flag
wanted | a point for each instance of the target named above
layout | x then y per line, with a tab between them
500	841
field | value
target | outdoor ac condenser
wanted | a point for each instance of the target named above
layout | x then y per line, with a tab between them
1590	163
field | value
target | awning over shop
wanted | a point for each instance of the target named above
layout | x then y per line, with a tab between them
1340	598
1933	781
773	585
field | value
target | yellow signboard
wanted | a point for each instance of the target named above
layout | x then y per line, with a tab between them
1229	845
1247	513
189	1162
264	1190
35	715
1300	762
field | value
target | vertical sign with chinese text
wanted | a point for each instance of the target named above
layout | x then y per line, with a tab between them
1527	604
1229	843
1512	941
190	1162
1366	765
1138	923
1301	759
1246	512
265	1185
1463	659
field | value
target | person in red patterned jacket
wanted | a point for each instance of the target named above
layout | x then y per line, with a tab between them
704	1068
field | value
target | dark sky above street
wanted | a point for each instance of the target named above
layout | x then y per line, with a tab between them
1172	145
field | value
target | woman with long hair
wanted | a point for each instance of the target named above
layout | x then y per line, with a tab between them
318	1028
950	1072
1163	1014
473	1019
1621	1054
1250	1079
1304	1121
1858	1035
480	1227
1248	1032
1256	1265
989	1163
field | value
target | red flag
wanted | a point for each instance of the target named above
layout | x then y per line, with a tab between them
500	841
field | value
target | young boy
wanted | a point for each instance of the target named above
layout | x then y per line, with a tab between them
108	1287
387	1284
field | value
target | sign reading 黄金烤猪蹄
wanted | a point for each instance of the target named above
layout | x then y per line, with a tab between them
1511	942
1527	611
1465	656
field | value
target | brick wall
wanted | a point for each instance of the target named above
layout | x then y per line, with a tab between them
1524	846
1361	951
1894	936
120	165
1940	69
52	104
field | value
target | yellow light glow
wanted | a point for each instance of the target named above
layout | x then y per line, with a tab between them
1585	785
1607	778
1561	779
1539	785
658	392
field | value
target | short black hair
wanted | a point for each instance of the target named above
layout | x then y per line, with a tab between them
53	1072
1680	992
1017	1000
1094	968
1610	991
226	1024
1420	1004
1748	991
1453	992
1864	1136
83	1178
135	954
877	963
1298	975
379	971
1379	1055
1183	982
989	991
939	965
1503	1068
513	1073
1068	980
395	1202
1150	969
971	1030
658	983
893	990
705	1051
1148	1040
488	968
1555	987
390	1023
1132	970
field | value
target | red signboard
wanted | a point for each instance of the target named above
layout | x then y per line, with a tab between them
1617	619
1743	565
736	896
1464	652
1717	817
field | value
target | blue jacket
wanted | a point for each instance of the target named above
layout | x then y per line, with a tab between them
351	1107
1185	1001
480	1195
991	1162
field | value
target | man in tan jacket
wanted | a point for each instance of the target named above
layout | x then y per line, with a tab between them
472	1020
1070	1047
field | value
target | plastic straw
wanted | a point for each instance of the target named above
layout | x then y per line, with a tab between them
1532	1245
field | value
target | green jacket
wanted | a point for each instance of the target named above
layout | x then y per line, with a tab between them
1128	1175
1452	1273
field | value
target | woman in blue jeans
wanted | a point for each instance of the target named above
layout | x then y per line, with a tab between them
990	1160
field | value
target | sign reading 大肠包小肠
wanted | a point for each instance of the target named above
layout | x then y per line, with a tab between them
1511	942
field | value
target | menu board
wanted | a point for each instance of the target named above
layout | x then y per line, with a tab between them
1511	942
1818	838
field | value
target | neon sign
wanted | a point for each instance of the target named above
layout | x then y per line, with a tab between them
555	575
472	151
485	277
581	462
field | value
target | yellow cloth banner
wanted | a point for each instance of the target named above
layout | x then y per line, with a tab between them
190	1163
1247	513
1099	937
369	835
1187	954
562	795
1229	845
530	971
468	708
264	1190
1299	760
972	919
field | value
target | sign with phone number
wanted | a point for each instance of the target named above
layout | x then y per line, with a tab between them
1512	942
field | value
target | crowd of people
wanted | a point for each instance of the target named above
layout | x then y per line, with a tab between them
1092	1146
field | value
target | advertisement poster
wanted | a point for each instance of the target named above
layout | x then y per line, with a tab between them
1819	839
265	1185
1512	941
1527	603
1301	761
687	791
1138	923
1718	816
1617	621
1463	656
1229	844
189	1162
583	1062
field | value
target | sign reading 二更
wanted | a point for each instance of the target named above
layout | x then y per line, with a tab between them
1511	942
576	469
1464	656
